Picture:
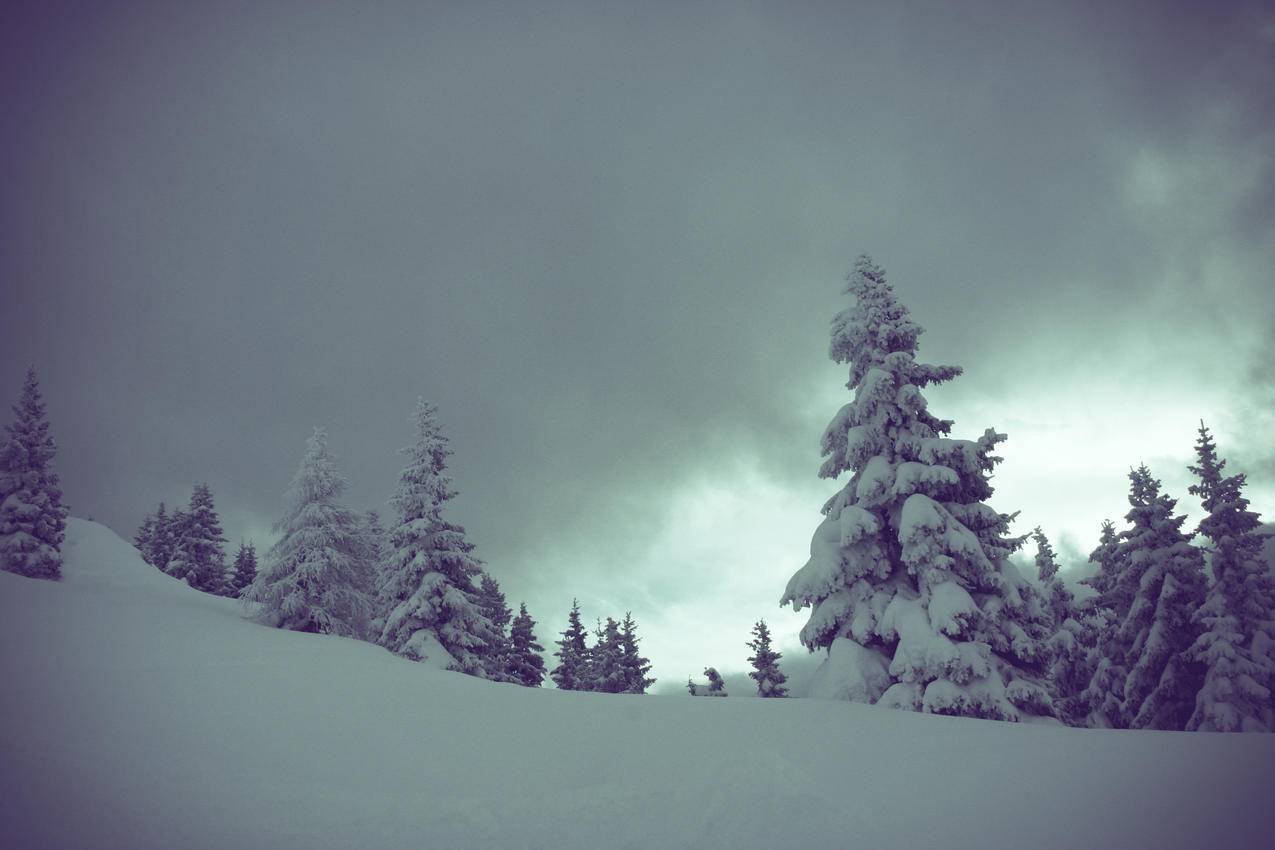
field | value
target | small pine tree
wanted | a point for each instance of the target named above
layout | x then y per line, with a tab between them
525	665
144	539
430	571
633	667
32	516
198	557
690	686
1236	617
163	540
313	579
605	668
766	673
245	570
491	599
571	674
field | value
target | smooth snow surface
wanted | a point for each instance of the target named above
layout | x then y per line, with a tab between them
139	713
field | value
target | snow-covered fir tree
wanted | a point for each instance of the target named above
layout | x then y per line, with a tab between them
1236	617
491	600
909	582
314	579
524	663
430	570
571	674
633	667
766	673
716	686
1070	638
144	539
156	538
245	569
198	557
1144	678
606	662
32	516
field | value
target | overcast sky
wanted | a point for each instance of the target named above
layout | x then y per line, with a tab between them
607	240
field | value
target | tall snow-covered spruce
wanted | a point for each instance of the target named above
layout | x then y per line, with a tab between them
909	582
32	516
1234	645
435	612
314	579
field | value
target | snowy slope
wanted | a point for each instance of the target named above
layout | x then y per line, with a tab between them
138	713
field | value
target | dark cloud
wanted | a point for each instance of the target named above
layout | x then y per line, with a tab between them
606	242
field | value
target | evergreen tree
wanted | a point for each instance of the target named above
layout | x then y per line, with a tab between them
572	654
766	673
1070	640
198	557
32	516
245	570
163	542
690	686
491	600
525	665
144	539
1144	678
633	667
1236	617
430	571
909	582
606	668
313	579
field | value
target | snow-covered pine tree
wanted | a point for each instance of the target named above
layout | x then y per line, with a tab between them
633	667
1162	682
491	600
313	579
571	674
524	664
1070	639
1144	677
766	673
144	539
1236	617
606	672
245	570
430	571
909	582
690	687
163	538
198	557
32	516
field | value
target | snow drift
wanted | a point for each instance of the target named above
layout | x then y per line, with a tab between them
139	713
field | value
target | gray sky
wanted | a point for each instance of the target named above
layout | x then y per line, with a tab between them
607	240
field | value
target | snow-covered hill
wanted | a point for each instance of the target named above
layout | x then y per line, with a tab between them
138	713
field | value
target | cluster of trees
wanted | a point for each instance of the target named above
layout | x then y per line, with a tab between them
1180	633
188	544
771	682
613	664
32	516
415	588
914	598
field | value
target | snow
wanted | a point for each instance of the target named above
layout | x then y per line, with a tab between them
139	713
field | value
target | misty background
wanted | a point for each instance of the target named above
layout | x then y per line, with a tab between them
607	241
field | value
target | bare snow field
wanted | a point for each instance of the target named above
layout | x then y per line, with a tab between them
139	713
